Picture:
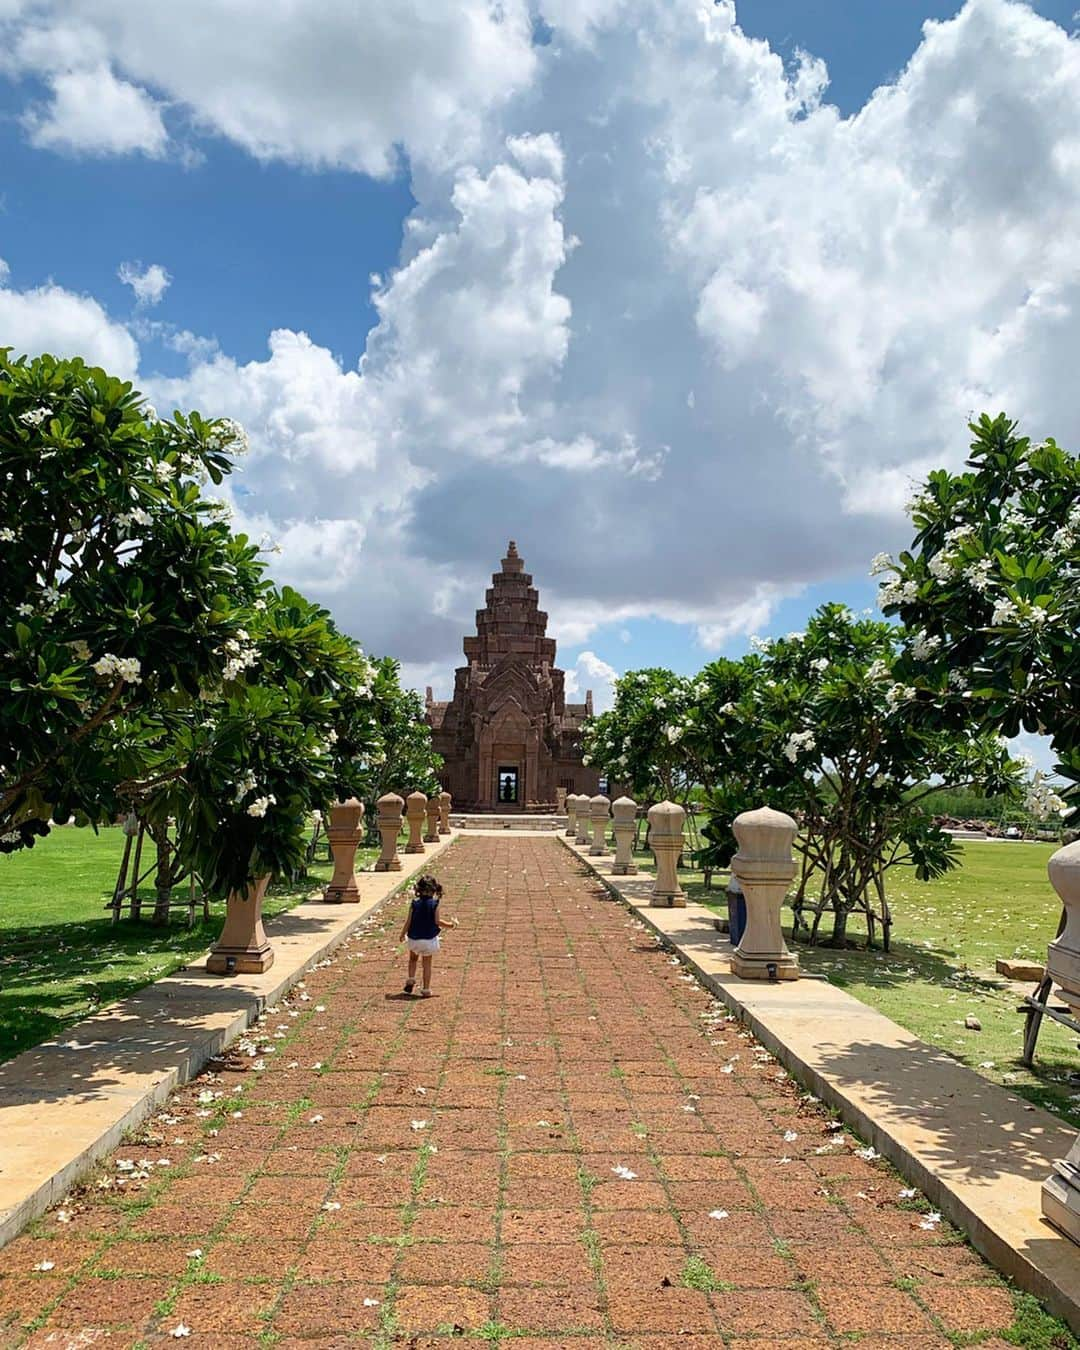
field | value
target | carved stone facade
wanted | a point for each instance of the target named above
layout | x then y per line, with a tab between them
508	737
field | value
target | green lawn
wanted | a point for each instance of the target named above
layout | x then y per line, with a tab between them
947	935
60	955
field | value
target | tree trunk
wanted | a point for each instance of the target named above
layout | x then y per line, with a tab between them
840	918
163	880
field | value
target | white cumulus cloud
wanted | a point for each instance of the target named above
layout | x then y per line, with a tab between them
332	83
661	312
93	112
149	284
52	319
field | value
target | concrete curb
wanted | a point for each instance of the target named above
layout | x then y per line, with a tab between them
66	1103
978	1154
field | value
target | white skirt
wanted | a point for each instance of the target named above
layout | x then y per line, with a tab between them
423	946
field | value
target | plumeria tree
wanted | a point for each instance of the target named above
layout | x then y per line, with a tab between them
292	725
848	745
639	740
121	586
988	590
406	761
725	756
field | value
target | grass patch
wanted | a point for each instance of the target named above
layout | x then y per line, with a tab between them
947	935
1035	1329
698	1274
61	957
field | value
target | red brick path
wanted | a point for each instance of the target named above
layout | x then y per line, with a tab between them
423	1172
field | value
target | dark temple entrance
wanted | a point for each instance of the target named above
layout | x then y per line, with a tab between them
508	786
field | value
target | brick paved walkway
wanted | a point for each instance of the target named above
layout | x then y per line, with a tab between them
568	1143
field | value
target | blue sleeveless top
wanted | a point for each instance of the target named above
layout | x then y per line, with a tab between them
422	918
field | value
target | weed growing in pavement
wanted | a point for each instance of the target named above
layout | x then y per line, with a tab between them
698	1274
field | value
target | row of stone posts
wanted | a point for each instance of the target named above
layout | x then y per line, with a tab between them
764	866
345	830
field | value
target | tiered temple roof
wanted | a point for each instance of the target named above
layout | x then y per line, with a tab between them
508	726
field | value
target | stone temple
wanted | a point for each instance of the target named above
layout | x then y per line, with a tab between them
508	738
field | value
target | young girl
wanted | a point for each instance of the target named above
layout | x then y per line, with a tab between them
420	931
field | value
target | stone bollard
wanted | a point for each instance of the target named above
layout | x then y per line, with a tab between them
444	812
666	821
1061	1191
583	808
599	814
571	815
432	835
389	809
415	810
624	809
764	867
344	831
243	948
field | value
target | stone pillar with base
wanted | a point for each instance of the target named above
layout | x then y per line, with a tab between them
344	831
444	812
666	820
243	948
431	835
389	809
599	814
572	801
624	809
1061	1191
764	866
415	810
583	809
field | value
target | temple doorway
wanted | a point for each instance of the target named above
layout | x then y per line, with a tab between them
509	793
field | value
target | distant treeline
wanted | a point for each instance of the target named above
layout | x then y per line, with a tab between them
962	805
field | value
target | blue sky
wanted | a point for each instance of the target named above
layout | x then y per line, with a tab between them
642	298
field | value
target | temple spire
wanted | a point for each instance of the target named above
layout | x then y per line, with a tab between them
512	562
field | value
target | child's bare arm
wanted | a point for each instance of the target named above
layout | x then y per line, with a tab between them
445	920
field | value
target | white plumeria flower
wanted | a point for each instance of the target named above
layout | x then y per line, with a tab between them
315	1120
195	1254
371	1303
908	1193
45	1265
867	1154
332	1204
180	1331
624	1172
718	1214
790	1136
418	1124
